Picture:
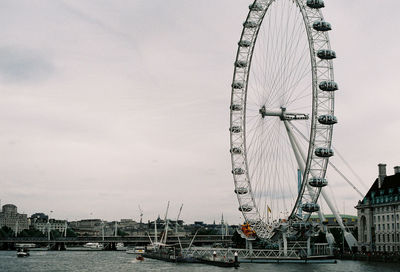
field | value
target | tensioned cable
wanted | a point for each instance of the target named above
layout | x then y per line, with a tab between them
336	169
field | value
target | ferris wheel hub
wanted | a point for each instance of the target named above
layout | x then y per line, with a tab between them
283	114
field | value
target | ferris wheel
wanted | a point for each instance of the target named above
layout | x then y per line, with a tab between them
282	114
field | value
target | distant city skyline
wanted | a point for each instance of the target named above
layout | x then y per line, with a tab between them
105	106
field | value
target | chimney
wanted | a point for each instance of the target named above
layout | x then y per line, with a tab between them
382	174
397	170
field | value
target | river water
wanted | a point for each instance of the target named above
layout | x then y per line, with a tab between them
81	261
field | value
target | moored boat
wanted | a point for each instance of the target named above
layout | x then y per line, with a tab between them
136	250
93	246
220	263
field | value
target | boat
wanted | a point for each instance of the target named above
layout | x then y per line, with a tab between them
23	252
165	253
136	250
220	263
120	246
93	246
140	258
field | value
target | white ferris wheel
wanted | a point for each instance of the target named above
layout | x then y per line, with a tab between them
282	114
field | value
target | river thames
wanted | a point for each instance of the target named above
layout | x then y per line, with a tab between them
55	261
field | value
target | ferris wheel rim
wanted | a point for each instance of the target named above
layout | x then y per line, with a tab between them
258	225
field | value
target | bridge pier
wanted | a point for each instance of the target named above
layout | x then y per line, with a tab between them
110	246
58	246
7	246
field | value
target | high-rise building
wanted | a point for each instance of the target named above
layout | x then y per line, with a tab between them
10	217
379	212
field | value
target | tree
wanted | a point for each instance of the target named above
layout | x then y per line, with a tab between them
6	232
71	233
31	233
55	234
238	240
121	233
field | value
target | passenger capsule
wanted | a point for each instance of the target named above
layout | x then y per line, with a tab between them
236	150
250	24
328	86
318	182
241	190
244	43
256	7
326	54
236	107
238	171
310	207
315	4
324	152
237	85
327	119
235	129
245	208
241	64
322	26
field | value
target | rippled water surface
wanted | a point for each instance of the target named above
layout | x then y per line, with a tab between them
120	261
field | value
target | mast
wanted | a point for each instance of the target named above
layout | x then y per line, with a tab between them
176	225
164	237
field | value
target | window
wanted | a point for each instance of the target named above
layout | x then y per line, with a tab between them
379	238
383	218
383	226
383	237
388	226
379	227
392	217
392	226
387	217
379	218
397	217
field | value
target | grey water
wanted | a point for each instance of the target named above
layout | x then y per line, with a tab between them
56	261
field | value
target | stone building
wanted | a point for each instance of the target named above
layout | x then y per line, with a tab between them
88	227
10	217
44	225
379	212
350	221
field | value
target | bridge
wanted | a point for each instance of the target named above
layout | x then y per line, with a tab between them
60	242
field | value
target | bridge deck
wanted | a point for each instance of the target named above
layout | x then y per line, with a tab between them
112	239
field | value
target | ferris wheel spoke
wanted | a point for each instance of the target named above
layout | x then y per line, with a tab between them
294	71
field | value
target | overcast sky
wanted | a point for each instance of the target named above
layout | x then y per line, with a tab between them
105	105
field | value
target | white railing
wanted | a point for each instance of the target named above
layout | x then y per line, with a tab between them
295	251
